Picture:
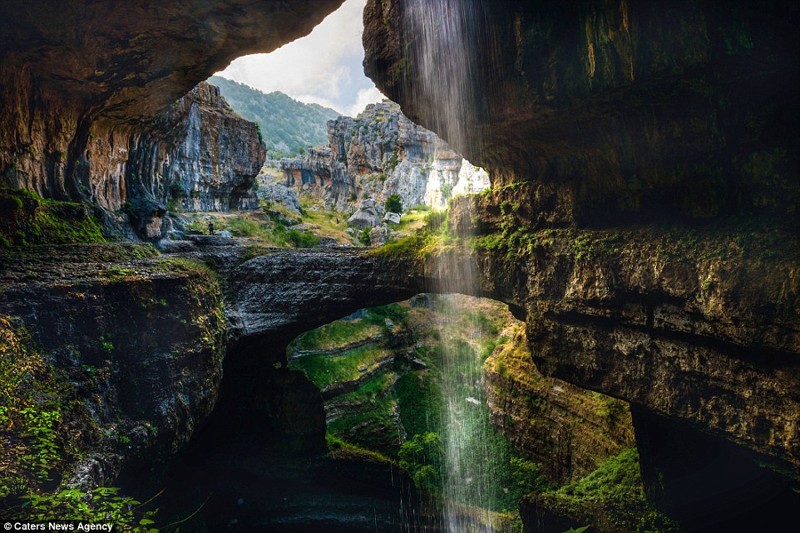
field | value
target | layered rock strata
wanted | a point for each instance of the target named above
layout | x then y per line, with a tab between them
568	431
139	339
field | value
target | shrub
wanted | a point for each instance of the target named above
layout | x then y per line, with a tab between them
302	239
394	204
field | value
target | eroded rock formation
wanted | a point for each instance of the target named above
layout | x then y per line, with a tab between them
609	112
275	297
380	153
567	430
137	340
198	156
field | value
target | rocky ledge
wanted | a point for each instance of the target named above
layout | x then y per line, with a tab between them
134	343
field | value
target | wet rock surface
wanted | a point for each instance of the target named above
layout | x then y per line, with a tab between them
567	430
596	118
610	113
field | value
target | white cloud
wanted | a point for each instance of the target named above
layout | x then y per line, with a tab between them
364	97
324	67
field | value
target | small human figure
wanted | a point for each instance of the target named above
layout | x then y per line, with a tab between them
211	228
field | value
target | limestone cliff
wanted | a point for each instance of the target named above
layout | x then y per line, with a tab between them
380	153
198	156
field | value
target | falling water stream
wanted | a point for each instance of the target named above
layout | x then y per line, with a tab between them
444	32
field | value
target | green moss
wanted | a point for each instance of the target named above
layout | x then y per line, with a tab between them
30	219
326	370
723	240
372	425
340	449
616	478
613	490
336	334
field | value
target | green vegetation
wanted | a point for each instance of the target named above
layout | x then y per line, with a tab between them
617	478
423	456
406	399
615	491
286	125
724	240
372	423
39	418
394	204
327	370
302	239
100	505
30	414
28	219
336	334
261	226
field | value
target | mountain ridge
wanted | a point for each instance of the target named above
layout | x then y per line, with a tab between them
288	126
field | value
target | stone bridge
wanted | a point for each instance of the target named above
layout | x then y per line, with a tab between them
273	298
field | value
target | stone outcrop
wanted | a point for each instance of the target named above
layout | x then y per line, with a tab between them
81	85
275	297
202	154
702	334
380	153
196	156
605	112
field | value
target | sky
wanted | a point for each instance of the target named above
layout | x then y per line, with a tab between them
323	67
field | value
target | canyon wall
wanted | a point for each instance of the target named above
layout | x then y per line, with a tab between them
197	156
135	344
568	431
610	112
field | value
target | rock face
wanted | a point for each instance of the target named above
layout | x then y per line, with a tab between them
82	83
276	297
605	114
568	431
196	156
204	155
694	334
140	338
380	153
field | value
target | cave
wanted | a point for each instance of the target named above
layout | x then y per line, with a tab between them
641	222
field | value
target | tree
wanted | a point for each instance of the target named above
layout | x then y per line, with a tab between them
394	204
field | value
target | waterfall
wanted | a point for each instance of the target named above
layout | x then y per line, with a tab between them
444	35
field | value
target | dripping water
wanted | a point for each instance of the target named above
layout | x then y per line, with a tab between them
444	37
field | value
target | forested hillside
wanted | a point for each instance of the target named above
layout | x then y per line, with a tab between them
287	125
